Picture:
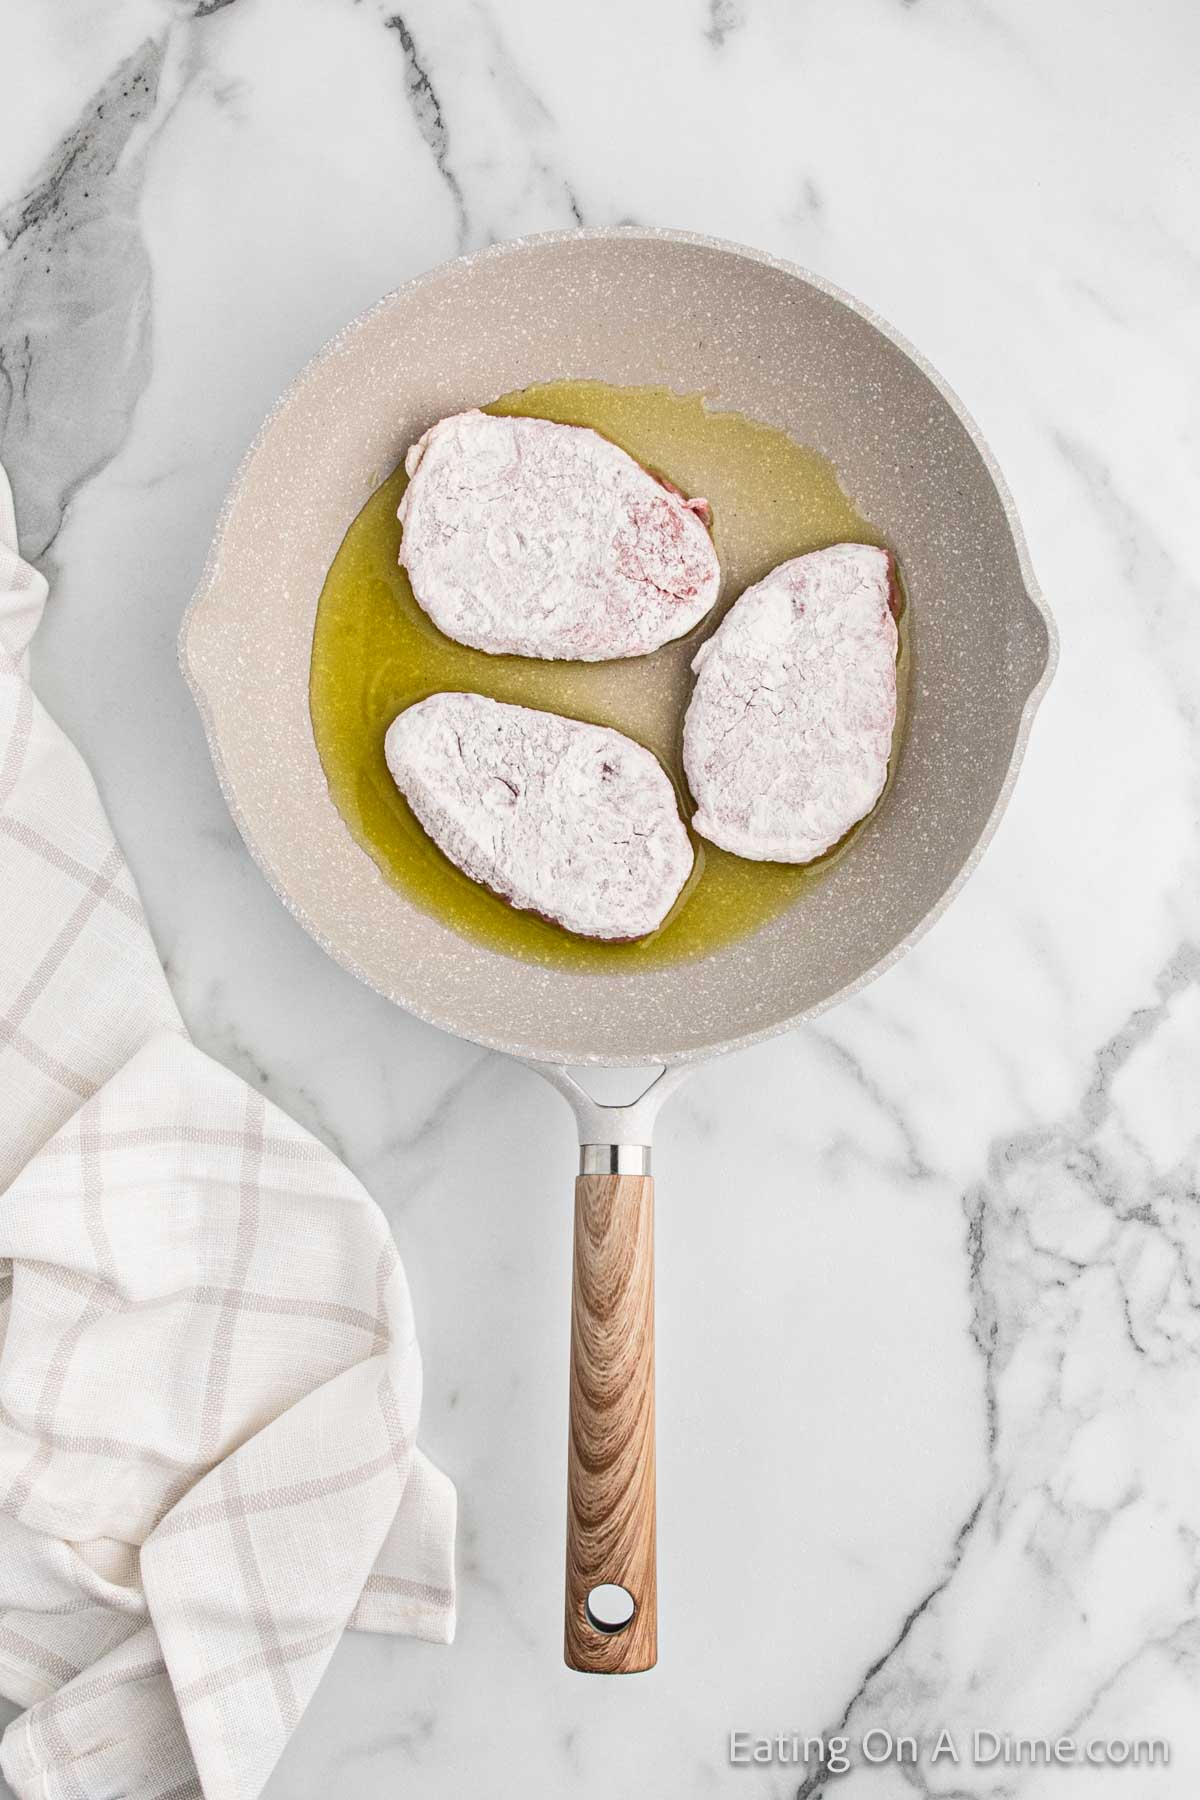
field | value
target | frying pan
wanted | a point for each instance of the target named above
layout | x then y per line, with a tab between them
756	336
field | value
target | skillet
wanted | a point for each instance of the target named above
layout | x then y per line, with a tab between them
635	307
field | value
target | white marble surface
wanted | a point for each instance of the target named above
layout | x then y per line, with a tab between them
929	1293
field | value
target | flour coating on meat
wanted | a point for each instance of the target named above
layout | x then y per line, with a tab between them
526	537
789	728
573	821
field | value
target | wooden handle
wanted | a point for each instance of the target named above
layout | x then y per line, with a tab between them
610	1468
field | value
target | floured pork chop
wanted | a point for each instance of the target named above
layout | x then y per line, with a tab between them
789	728
536	539
573	821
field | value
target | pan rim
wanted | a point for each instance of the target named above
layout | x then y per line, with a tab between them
551	1052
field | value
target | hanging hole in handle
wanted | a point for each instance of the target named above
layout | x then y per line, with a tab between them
609	1608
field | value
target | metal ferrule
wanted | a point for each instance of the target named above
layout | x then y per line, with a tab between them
614	1159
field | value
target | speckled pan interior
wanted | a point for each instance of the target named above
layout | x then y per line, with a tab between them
754	335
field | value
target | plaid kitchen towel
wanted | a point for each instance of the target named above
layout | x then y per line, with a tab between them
209	1375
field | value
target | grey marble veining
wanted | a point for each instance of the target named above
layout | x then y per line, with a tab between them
929	1359
74	300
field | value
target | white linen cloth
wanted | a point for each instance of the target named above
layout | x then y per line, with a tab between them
209	1378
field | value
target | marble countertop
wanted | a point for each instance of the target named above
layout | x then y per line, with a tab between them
929	1327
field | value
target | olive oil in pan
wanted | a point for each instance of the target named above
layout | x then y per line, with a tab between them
375	652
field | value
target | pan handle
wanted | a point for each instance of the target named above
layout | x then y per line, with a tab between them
612	1580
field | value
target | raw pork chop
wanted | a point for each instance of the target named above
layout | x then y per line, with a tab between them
536	539
789	728
572	821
